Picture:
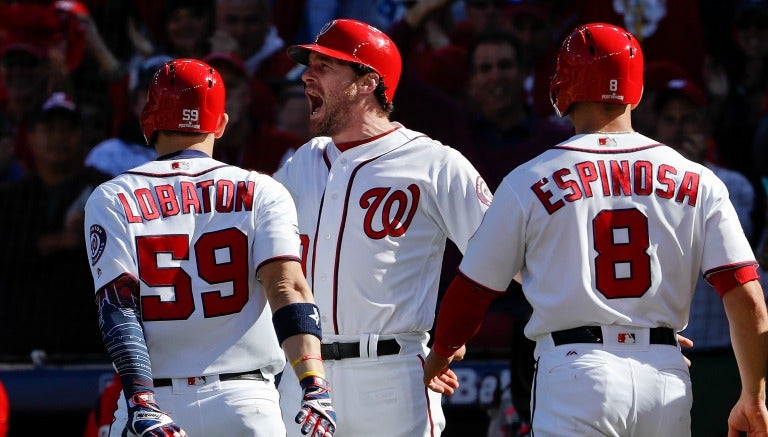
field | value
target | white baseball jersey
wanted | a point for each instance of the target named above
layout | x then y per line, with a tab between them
607	229
374	221
193	231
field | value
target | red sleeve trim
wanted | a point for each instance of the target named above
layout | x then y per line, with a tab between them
461	314
725	280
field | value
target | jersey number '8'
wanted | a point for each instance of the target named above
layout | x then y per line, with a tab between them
622	264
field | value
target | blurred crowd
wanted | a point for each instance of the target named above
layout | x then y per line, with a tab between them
74	74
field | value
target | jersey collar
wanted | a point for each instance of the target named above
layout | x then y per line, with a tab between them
350	144
183	154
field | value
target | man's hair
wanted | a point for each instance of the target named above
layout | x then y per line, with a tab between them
362	70
495	37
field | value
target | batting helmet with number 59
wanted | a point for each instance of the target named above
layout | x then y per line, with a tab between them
184	95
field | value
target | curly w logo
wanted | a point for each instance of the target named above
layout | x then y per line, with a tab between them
386	209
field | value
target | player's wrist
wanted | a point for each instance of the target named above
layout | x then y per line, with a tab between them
444	350
144	398
304	358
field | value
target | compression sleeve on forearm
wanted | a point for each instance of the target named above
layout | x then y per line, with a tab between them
123	334
461	314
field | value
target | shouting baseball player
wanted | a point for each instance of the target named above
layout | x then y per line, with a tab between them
198	279
610	231
376	203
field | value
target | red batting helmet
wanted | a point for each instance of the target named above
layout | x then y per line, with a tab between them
184	95
358	42
597	62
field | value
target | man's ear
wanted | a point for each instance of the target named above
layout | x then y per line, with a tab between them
369	82
222	125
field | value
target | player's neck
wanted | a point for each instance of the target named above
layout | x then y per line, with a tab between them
172	144
591	118
367	129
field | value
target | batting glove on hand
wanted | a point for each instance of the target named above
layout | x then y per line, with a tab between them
145	419
317	417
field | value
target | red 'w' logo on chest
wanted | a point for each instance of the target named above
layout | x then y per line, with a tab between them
386	209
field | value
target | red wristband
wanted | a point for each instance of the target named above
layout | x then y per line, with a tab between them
303	358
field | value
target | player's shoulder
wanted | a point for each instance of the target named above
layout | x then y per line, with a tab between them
314	146
421	142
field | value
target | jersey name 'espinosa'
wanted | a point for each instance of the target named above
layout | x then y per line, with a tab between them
616	178
151	203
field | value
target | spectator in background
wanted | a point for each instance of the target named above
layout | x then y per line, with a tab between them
244	27
44	50
188	26
292	109
506	132
423	37
248	142
415	105
129	148
25	77
539	28
482	16
682	124
10	168
737	85
44	268
656	76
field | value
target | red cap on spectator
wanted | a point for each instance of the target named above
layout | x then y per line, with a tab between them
658	73
687	88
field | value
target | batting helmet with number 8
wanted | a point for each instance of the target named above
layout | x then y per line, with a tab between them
597	62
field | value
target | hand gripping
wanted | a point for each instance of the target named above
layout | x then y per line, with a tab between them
145	419
316	417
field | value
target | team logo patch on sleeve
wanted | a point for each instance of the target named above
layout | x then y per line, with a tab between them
98	241
483	192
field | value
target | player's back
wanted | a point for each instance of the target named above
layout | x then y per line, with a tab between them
194	232
627	222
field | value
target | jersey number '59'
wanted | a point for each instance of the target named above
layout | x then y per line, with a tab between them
222	257
622	264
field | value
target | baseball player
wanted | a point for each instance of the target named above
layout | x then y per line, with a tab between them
610	231
198	280
376	203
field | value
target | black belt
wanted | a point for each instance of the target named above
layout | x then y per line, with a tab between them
593	334
251	375
340	351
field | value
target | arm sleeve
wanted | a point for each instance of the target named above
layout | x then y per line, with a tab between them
461	314
123	334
